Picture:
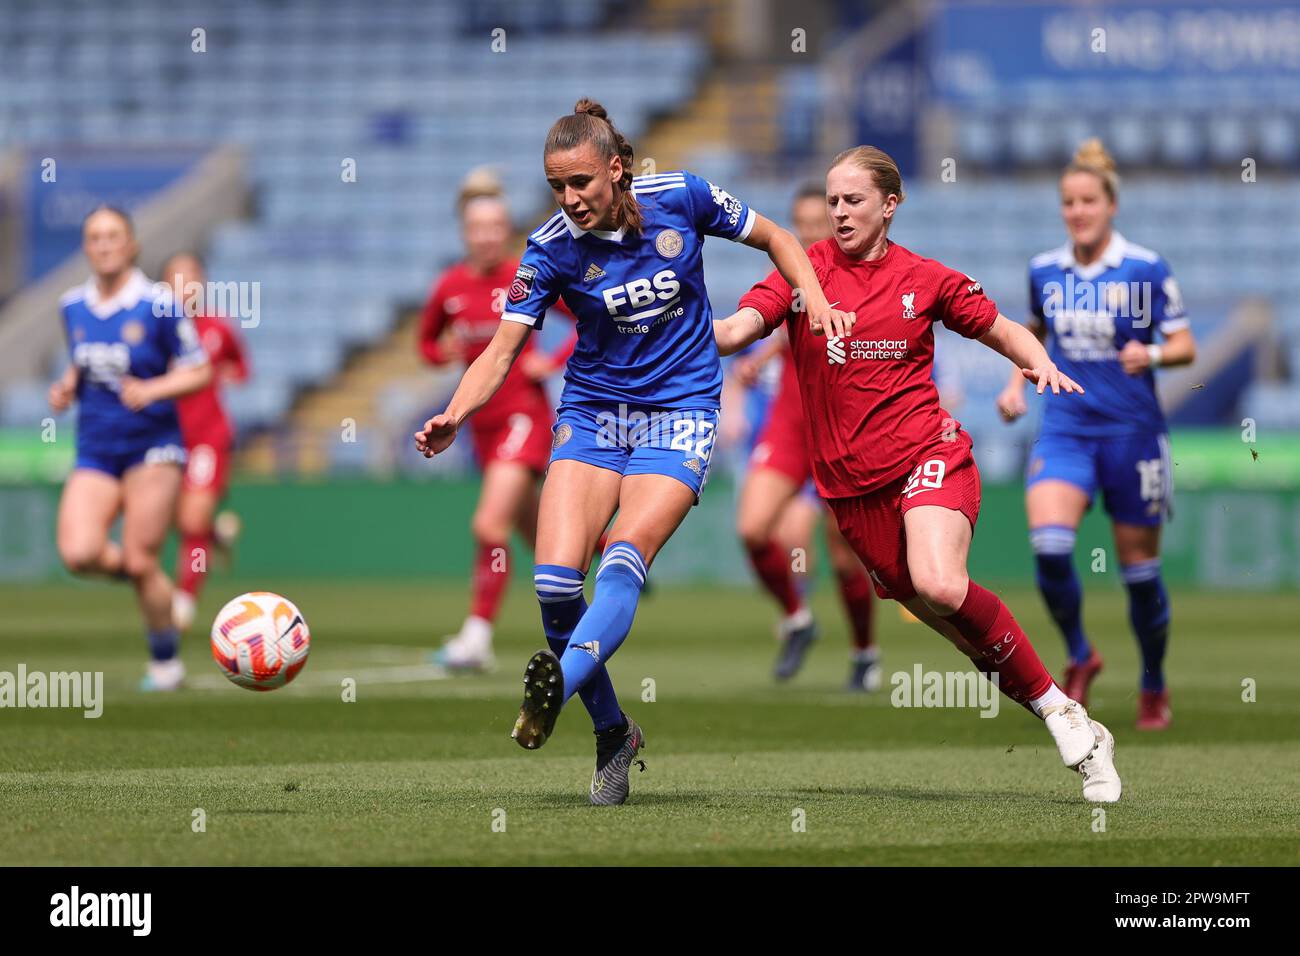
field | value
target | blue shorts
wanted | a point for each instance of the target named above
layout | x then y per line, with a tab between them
638	440
164	449
1133	471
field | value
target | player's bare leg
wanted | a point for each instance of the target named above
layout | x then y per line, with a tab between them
149	502
764	499
505	492
1138	548
194	519
89	503
1055	509
938	542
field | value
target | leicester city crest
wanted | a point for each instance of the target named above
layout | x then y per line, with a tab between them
669	243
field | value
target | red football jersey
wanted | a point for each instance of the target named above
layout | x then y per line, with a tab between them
470	305
871	402
203	420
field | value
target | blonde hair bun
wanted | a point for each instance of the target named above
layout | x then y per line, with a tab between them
1092	152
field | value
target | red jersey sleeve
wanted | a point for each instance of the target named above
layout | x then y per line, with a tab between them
960	303
432	321
772	298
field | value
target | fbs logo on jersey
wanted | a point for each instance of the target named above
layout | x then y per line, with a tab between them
591	647
909	305
594	272
835	353
523	284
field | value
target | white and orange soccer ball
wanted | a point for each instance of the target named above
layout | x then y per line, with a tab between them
260	640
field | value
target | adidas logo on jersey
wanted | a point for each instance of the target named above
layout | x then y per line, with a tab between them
594	272
835	354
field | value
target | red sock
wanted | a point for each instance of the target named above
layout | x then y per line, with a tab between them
187	579
856	592
988	626
601	543
491	575
772	565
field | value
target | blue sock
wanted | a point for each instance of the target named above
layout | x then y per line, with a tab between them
164	644
559	591
1053	546
1148	612
603	628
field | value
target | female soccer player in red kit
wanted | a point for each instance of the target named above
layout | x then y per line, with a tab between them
209	439
896	469
512	432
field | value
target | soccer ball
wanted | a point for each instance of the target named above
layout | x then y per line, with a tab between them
260	640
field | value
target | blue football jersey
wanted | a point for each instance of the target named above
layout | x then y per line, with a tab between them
645	329
1090	313
138	332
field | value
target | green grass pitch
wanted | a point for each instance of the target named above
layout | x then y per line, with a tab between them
420	769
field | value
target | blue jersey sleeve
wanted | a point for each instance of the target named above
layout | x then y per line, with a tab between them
716	212
534	289
1167	310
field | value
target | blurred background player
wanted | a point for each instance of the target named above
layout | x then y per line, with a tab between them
1102	299
133	353
779	509
898	470
209	439
512	432
639	416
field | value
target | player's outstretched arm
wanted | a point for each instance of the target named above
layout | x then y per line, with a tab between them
1021	346
1011	402
183	379
789	258
738	330
1178	348
479	383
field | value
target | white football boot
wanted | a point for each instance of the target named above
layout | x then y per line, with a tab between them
1101	782
164	675
1086	746
470	649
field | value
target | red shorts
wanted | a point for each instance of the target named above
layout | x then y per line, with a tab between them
942	474
208	468
783	443
520	437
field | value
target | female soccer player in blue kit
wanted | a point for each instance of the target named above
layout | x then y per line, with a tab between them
636	423
132	353
1102	299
